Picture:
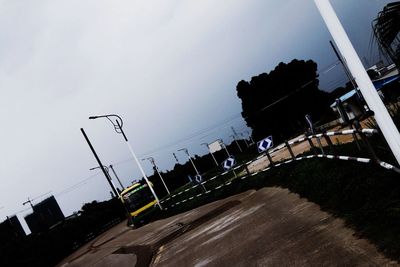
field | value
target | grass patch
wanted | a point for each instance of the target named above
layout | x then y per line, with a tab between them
367	197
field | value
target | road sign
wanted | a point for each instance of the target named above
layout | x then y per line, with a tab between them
198	178
229	163
264	144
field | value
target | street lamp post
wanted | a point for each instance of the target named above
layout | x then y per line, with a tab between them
251	138
115	189
177	161
212	155
116	176
29	201
151	159
99	162
244	139
118	128
224	146
234	139
187	153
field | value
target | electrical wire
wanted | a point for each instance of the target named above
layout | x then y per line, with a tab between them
213	127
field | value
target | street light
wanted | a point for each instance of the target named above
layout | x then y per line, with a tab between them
234	139
187	153
151	159
113	187
118	128
251	138
206	144
244	139
224	146
29	201
116	176
98	161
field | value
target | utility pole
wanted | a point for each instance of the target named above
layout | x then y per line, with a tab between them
187	153
224	147
212	155
109	177
244	139
151	159
176	158
234	139
382	117
99	162
345	68
118	129
116	176
251	138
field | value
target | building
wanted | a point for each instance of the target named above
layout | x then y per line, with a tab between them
386	81
11	228
45	214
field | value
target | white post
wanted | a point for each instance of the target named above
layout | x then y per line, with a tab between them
208	148
234	139
194	166
363	81
223	145
143	173
151	159
162	180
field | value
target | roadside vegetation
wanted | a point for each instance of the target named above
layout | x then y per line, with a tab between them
366	196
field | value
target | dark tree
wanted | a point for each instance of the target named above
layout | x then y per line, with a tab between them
276	103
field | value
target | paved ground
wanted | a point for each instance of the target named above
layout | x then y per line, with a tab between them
268	227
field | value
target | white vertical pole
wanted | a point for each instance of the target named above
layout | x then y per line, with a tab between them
143	173
159	174
194	166
223	145
162	180
367	89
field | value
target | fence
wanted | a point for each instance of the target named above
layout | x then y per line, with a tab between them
189	193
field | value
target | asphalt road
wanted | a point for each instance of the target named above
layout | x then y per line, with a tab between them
268	227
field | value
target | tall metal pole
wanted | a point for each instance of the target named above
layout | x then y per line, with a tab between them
345	68
151	159
234	139
112	182
26	202
118	128
251	138
187	153
109	177
385	122
224	146
116	176
99	162
244	139
176	158
312	129
139	165
212	155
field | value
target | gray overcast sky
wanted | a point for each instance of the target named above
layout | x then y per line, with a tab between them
169	68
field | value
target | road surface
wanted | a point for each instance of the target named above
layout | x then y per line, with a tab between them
268	227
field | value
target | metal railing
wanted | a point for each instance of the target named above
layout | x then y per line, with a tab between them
362	133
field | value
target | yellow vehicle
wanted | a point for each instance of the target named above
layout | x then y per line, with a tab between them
137	198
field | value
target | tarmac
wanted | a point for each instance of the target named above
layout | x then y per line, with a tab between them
268	227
